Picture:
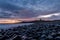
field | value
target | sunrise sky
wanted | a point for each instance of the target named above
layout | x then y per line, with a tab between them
30	9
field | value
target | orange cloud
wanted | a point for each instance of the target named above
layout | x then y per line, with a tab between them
14	20
9	21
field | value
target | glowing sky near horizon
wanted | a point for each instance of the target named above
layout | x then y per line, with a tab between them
9	21
45	9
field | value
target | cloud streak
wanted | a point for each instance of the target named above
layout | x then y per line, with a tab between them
49	15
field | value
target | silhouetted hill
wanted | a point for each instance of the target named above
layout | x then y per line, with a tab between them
37	21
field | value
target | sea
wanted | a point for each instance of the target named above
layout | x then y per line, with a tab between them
7	26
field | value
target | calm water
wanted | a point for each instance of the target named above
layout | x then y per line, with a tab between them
7	26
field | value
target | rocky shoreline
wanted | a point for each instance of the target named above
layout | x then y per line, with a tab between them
37	31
